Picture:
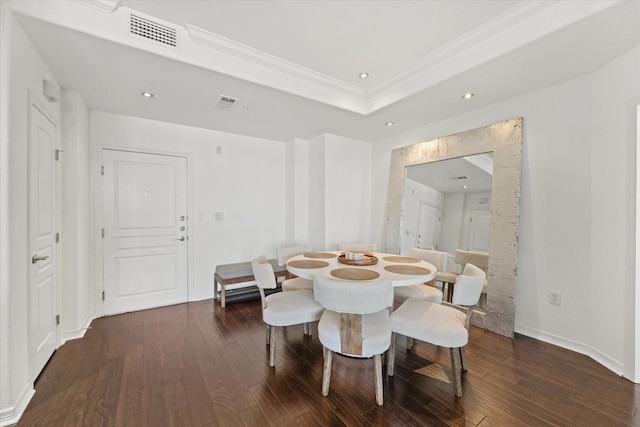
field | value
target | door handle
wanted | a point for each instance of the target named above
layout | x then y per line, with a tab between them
37	258
181	238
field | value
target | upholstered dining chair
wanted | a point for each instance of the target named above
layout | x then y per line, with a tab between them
422	291
444	325
293	283
282	308
358	247
462	258
355	323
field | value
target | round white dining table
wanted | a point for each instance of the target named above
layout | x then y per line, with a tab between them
401	270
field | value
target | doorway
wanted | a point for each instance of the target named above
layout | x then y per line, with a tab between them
428	227
145	234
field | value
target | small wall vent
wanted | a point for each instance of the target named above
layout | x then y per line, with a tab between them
153	31
227	103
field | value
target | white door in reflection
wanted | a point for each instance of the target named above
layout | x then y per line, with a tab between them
479	230
428	229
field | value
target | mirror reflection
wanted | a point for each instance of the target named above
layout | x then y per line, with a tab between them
446	206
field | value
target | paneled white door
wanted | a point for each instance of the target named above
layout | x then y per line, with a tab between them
480	223
145	230
43	337
429	219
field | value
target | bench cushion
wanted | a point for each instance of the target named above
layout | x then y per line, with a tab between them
242	269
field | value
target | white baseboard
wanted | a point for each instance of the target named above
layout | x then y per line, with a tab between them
78	333
10	416
606	361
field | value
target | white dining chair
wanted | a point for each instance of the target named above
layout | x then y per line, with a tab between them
423	291
357	247
293	283
355	323
282	308
462	258
444	325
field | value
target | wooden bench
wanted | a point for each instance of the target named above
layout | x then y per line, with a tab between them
229	274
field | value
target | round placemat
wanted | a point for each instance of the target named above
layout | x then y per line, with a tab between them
319	255
304	263
407	269
355	274
405	259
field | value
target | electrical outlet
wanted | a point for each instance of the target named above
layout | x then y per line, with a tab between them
554	298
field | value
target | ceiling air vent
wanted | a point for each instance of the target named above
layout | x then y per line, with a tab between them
227	103
153	31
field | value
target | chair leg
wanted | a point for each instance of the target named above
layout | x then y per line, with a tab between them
268	334
377	359
392	355
305	328
326	372
463	358
410	343
272	347
455	371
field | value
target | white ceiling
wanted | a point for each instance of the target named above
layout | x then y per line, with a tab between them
469	174
294	65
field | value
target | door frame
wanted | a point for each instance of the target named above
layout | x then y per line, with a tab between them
37	101
97	221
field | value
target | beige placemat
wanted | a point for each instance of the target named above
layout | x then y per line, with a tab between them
400	259
355	274
319	255
307	263
407	269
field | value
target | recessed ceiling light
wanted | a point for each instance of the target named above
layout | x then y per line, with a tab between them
389	124
364	75
147	94
468	95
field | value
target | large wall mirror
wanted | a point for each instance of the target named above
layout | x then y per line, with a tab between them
487	160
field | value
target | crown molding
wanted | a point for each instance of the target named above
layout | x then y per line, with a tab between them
258	57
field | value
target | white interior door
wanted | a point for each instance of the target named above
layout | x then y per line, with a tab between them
43	337
145	230
480	222
428	233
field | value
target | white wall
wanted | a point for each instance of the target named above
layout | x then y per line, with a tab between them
246	182
615	93
575	207
339	191
22	72
78	302
452	213
297	185
414	194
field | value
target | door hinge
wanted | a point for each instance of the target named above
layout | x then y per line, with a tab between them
57	319
101	170
57	153
57	237
102	295
103	233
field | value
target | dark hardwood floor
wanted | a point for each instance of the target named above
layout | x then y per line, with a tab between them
199	365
